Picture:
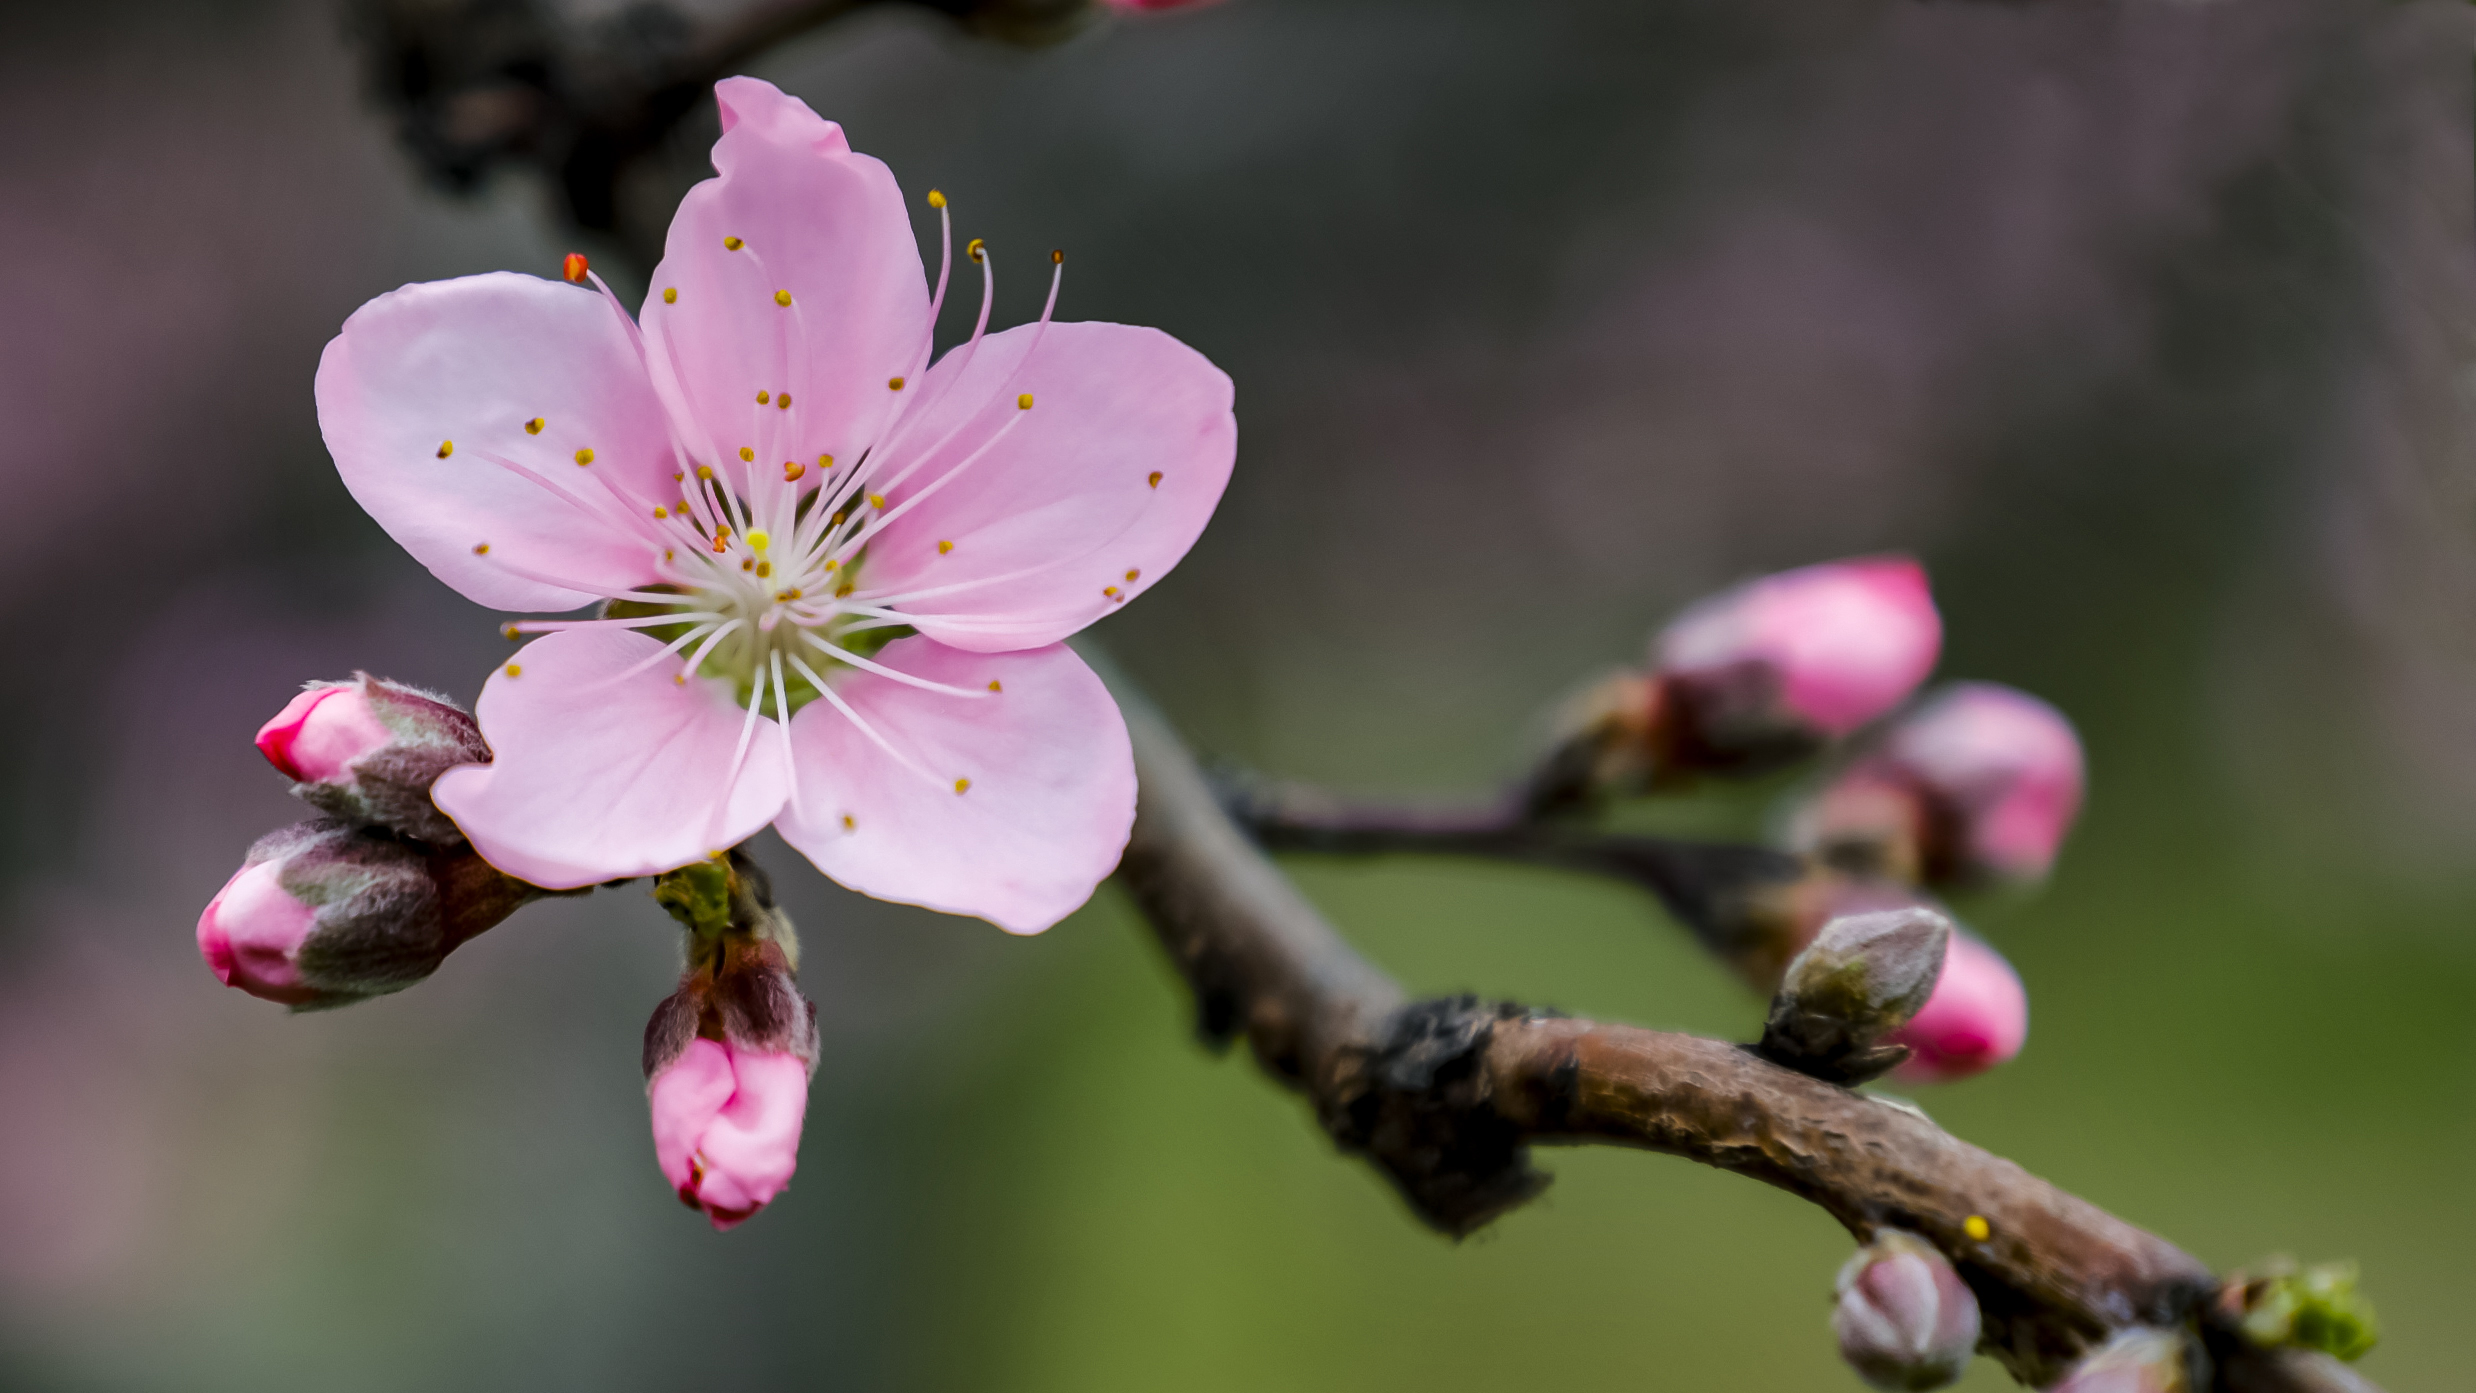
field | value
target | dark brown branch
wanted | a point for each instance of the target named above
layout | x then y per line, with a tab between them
1446	1096
478	84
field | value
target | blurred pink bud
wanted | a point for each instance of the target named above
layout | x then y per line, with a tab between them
2004	773
319	735
1977	1018
1905	1319
2136	1361
251	935
726	1126
367	752
1812	653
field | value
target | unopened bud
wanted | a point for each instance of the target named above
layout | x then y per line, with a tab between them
2136	1361
2282	1304
324	914
1862	978
728	1055
1976	1018
1905	1319
366	752
1979	785
1770	670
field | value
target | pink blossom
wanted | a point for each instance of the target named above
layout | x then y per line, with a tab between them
318	735
761	482
1832	646
2005	768
726	1126
252	931
1976	1018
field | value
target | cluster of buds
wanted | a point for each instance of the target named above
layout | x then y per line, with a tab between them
1904	1318
371	896
728	1056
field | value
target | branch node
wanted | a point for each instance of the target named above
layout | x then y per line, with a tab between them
1418	1101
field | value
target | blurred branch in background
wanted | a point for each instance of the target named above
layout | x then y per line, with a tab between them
475	85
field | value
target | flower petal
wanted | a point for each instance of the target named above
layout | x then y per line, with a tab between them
599	776
1050	799
429	384
794	271
1088	499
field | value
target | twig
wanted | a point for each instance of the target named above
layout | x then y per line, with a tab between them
1447	1096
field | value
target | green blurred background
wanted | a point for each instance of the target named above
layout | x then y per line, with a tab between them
2142	323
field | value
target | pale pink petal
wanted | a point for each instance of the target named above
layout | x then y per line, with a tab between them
1086	500
810	218
685	1098
1050	798
427	385
600	775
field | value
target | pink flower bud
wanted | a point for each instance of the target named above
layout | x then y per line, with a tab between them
251	935
2136	1361
1905	1319
2004	775
1977	1018
1795	658
726	1126
367	751
319	735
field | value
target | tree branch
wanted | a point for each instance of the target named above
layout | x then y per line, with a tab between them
1446	1097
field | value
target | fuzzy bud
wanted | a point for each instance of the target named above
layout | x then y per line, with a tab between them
1863	977
324	914
366	752
1772	669
1905	1320
2135	1361
727	1060
1976	1018
1978	786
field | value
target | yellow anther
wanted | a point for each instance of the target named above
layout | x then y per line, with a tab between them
1156	478
1023	402
1109	590
704	471
1057	256
534	426
670	295
669	555
825	461
759	541
936	199
661	512
877	500
894	384
783	400
993	685
764	569
732	244
446	448
848	824
507	631
679	478
680	678
787	596
783	298
747	454
1976	1227
764	398
515	670
962	785
976	249
835	564
840	516
944	547
1133	574
481	548
844	589
792	469
585	456
748	563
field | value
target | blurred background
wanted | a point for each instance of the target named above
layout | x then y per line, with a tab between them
2142	323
